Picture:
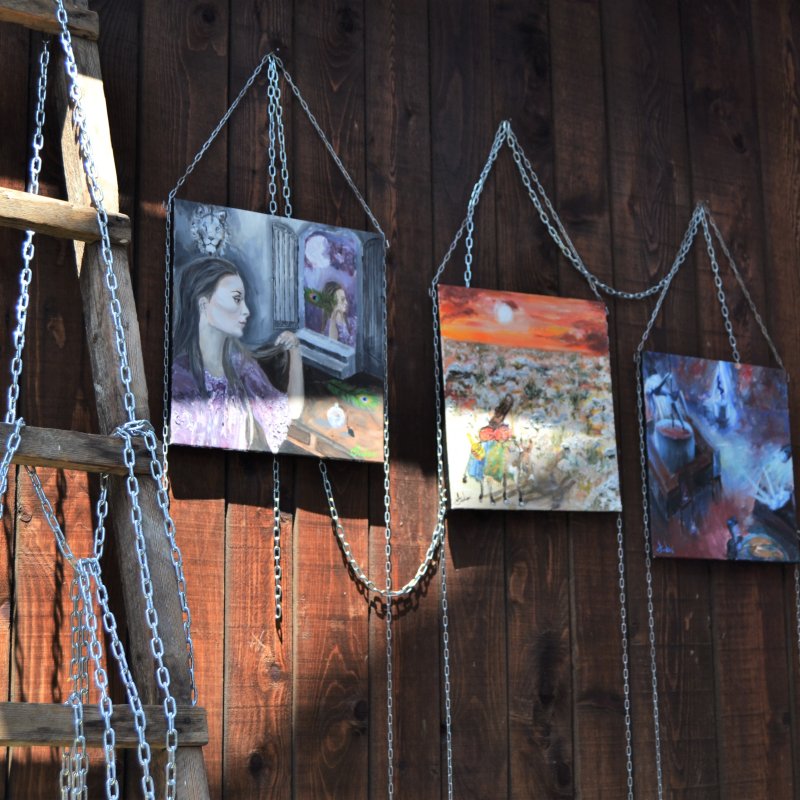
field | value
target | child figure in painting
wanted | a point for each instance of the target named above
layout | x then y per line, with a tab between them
220	395
487	458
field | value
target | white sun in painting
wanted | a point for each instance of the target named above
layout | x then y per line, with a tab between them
503	313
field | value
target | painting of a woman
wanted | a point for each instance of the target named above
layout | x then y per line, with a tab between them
221	396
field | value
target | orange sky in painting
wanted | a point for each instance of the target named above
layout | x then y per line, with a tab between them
532	321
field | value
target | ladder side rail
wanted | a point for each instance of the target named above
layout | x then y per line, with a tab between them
192	780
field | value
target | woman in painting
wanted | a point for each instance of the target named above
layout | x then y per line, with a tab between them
337	326
487	458
221	396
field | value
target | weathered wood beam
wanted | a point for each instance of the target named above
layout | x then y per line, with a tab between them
192	779
90	452
60	218
40	15
31	724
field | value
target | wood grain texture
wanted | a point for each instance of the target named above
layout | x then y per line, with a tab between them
753	712
398	134
58	218
74	450
776	39
258	652
650	209
31	724
462	130
540	720
39	15
184	62
331	653
14	48
630	112
581	194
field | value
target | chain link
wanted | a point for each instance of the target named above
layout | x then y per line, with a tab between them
132	693
797	605
747	295
651	625
329	147
96	194
25	278
720	290
26	274
127	432
623	626
448	718
272	113
169	222
145	430
276	537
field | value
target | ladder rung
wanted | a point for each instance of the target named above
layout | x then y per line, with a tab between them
60	218
40	15
31	724
89	452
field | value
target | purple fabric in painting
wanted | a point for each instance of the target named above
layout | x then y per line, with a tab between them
222	420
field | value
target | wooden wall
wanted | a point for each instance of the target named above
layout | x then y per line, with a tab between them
631	111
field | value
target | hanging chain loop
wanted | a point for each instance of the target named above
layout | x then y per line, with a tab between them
276	537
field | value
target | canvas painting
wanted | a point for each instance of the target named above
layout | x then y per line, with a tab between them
719	460
276	335
529	414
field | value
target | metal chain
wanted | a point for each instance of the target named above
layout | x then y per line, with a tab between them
448	719
329	147
92	566
144	429
26	274
276	537
12	445
169	221
272	113
500	136
74	761
73	780
623	625
276	127
126	432
720	291
25	278
96	194
651	627
747	295
797	605
132	693
750	301
101	681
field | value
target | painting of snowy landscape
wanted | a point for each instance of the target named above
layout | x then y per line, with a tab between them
719	460
529	415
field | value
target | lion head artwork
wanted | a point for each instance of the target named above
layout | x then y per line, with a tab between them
209	230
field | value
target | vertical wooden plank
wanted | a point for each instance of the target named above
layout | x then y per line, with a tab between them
331	688
184	52
258	653
462	131
650	209
537	545
776	38
398	175
581	191
750	652
14	63
258	657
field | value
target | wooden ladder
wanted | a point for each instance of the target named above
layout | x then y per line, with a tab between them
25	724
